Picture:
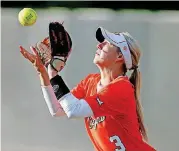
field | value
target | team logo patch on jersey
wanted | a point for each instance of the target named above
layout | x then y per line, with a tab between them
94	122
99	101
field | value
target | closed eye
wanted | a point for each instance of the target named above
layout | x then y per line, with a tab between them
104	51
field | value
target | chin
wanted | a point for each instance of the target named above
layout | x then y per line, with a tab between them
97	62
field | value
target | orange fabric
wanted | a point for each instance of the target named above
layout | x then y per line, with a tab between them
114	126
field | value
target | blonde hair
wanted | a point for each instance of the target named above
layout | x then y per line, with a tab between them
135	79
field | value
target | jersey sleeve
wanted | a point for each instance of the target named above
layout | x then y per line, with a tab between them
79	91
118	98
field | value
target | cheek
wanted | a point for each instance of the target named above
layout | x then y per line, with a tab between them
103	55
108	57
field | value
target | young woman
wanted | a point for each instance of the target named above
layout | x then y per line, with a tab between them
109	101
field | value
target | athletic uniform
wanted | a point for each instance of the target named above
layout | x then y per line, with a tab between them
110	114
114	125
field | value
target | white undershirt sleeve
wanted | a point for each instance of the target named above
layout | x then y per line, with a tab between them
52	102
72	107
75	108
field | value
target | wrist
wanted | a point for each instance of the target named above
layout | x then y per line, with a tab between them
42	72
52	73
57	63
44	78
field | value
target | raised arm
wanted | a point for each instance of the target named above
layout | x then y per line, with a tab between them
53	104
55	88
106	102
58	89
61	101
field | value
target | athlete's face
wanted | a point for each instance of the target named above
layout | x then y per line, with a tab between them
106	54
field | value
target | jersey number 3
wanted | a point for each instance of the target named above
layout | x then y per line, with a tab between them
118	143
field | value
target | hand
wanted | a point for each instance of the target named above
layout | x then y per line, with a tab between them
54	49
59	65
33	58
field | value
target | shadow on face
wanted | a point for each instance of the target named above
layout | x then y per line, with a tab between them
107	55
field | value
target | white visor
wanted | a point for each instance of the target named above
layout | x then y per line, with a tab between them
118	41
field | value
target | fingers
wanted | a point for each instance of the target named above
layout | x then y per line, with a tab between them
34	59
34	51
35	63
23	51
27	55
38	60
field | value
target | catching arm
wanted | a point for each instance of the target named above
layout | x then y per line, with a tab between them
54	52
107	102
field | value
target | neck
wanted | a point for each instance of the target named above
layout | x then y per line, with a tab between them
109	74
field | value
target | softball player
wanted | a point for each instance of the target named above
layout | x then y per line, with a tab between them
109	101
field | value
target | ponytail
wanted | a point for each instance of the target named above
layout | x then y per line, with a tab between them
135	79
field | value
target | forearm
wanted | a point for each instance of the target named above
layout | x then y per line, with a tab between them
72	106
51	100
51	73
44	78
58	95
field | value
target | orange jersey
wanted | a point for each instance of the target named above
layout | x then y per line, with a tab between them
114	126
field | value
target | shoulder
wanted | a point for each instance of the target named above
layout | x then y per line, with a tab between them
122	86
123	82
92	77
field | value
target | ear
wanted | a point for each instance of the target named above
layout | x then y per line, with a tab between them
120	58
